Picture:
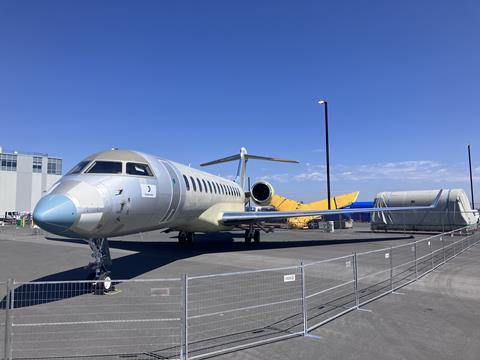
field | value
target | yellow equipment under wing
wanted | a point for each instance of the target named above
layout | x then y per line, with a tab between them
284	204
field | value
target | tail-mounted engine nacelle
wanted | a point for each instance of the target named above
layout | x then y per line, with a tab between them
262	193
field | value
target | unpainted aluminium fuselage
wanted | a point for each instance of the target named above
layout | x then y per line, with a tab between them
173	196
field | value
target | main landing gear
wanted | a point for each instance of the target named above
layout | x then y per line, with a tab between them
98	267
252	234
185	237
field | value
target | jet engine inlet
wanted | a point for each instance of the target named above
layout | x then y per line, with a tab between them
262	193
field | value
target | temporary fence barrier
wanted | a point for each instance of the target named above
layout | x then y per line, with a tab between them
68	319
200	316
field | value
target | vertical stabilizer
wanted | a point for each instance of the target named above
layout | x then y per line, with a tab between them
242	169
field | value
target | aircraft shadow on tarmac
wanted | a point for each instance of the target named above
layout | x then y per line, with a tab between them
150	255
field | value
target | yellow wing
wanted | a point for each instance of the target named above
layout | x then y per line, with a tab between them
282	203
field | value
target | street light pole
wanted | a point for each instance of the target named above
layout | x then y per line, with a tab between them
327	150
471	178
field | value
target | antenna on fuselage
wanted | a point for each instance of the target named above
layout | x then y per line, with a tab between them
243	156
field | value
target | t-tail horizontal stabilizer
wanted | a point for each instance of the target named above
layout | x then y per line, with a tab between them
243	156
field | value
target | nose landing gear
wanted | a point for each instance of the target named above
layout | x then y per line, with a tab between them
98	267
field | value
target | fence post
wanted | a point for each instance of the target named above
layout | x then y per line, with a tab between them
443	246
415	255
355	280
8	319
431	253
184	331
454	247
304	301
391	269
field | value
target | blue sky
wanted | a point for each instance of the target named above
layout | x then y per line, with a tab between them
195	80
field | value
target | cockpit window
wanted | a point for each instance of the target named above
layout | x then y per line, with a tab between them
105	167
77	169
139	169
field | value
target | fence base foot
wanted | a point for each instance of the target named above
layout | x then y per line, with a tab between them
362	309
313	337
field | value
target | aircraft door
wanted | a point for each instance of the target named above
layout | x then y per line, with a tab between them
176	192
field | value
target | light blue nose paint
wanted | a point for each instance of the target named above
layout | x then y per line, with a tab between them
55	213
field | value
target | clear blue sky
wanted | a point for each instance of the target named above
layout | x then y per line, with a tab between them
193	81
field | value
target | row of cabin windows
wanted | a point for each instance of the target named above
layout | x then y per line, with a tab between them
210	187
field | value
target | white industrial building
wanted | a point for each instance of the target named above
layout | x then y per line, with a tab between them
24	178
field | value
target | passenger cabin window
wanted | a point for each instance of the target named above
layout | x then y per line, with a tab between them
210	187
105	167
193	184
205	185
77	169
214	187
199	185
138	169
187	184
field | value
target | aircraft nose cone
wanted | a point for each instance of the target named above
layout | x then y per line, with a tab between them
55	213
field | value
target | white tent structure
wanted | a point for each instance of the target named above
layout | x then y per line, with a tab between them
452	211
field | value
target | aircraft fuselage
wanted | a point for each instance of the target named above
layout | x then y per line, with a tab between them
118	192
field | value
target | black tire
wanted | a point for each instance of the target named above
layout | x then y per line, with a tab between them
248	236
182	237
256	236
104	285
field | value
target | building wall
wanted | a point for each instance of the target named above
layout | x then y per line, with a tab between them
24	183
20	190
8	191
37	189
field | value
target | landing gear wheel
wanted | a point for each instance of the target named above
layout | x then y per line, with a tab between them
103	285
182	237
98	268
248	236
256	236
106	282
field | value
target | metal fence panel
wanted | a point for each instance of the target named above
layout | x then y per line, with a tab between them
449	240
230	310
66	319
329	289
374	278
403	265
437	250
424	256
